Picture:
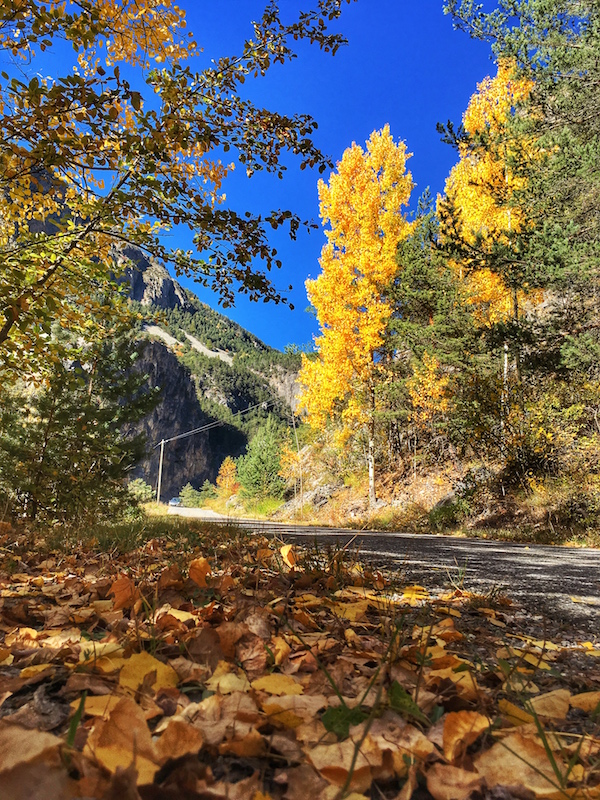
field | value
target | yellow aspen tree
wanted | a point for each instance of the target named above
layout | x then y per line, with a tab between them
482	187
362	207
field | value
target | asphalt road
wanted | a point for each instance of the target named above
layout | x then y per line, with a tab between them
562	583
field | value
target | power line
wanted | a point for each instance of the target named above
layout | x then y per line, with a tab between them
217	423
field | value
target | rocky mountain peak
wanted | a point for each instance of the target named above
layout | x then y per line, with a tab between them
150	282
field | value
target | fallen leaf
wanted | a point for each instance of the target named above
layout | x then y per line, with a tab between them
199	569
22	746
99	706
586	701
124	592
446	782
515	715
339	763
124	739
519	762
461	729
288	555
143	669
225	680
553	705
179	739
277	684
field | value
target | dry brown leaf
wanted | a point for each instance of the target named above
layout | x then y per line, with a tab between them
446	782
125	593
405	742
179	739
303	782
22	746
461	729
199	569
188	671
229	635
553	705
520	762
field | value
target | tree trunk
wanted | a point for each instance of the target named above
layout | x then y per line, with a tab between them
371	458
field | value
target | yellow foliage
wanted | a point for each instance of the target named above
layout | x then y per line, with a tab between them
362	206
428	391
482	188
227	477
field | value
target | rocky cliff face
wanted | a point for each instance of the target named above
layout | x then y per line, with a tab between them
192	459
150	282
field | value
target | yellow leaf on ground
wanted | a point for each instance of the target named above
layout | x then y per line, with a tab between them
292	710
465	682
461	729
413	595
225	681
98	706
350	611
446	782
515	715
519	762
144	669
277	684
280	649
199	569
29	672
586	701
340	764
253	745
288	555
122	739
554	705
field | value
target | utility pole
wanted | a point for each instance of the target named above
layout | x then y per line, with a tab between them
160	466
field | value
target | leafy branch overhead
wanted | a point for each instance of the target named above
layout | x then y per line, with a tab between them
130	142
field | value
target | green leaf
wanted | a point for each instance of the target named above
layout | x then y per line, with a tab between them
338	720
402	702
75	721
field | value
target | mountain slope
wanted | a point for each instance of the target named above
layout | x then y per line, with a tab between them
211	370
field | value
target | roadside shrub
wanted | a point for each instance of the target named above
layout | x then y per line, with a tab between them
140	490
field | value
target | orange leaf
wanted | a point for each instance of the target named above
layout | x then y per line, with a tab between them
288	555
125	593
199	569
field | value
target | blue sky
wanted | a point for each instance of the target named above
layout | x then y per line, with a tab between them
404	65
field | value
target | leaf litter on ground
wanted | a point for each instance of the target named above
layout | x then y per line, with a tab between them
221	664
